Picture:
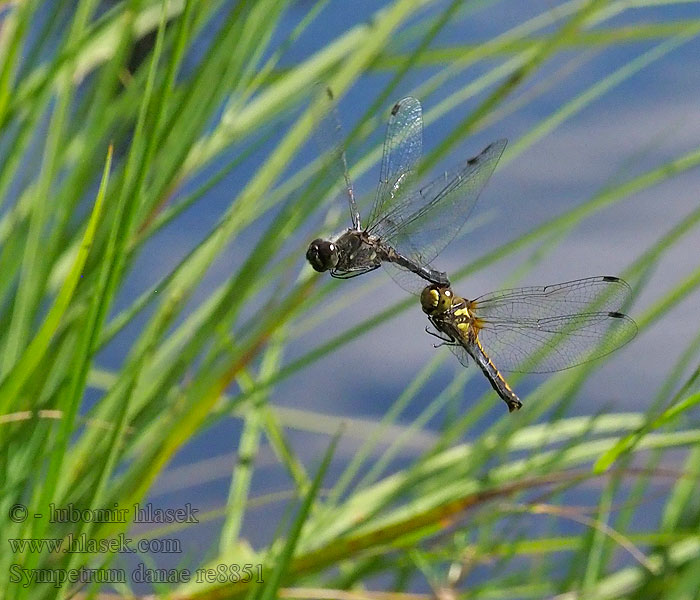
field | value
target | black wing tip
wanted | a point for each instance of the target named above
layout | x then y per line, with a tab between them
618	280
498	145
408	99
628	323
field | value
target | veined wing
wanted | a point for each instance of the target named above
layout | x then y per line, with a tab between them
329	137
402	150
550	328
458	348
410	281
426	220
461	353
591	294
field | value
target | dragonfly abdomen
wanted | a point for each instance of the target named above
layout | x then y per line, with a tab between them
498	383
468	327
388	254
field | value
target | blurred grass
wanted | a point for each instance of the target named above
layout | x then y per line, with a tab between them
188	94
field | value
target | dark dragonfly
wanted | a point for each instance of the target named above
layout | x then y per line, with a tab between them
531	329
407	227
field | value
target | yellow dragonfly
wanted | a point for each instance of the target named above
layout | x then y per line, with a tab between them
531	329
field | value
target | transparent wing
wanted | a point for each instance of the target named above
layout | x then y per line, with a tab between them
591	294
329	136
402	150
426	220
459	351
404	278
550	328
461	354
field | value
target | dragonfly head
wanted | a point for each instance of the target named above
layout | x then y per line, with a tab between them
322	255
435	299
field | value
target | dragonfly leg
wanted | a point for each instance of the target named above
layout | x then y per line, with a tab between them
352	272
446	343
446	340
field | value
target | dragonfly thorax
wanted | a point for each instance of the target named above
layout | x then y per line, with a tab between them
435	299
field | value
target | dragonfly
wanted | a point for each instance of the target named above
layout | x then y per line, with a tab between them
531	329
407	226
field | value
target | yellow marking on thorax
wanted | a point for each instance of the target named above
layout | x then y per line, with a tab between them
497	372
463	315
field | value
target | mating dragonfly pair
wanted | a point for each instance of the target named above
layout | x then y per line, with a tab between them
530	329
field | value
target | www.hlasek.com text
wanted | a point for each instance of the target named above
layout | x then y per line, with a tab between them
82	544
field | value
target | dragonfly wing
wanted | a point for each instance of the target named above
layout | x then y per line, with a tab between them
461	354
423	222
329	137
591	294
402	150
550	328
457	349
404	278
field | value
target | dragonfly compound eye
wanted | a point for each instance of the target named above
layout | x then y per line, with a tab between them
446	297
322	255
434	299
